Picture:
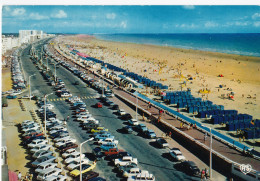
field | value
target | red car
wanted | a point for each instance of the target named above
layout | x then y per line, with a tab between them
113	151
99	105
33	135
80	110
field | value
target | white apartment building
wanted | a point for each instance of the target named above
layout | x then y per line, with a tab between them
9	42
29	36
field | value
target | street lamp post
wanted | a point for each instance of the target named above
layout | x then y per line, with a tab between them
136	107
210	154
81	154
30	85
45	97
55	73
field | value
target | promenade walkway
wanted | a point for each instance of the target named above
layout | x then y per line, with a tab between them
198	135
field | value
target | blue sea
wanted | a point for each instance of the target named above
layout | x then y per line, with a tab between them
240	44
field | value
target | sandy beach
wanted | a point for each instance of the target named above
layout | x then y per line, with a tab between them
172	66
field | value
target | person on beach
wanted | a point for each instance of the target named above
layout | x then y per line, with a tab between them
19	176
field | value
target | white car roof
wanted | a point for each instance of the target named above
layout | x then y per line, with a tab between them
176	151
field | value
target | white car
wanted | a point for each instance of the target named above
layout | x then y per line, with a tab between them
40	147
107	140
68	152
61	137
65	141
176	154
45	174
91	120
82	114
85	117
57	178
76	163
121	112
143	176
125	161
37	142
57	127
74	156
54	131
133	122
131	172
17	92
66	95
26	122
27	97
40	153
48	106
54	120
45	166
33	127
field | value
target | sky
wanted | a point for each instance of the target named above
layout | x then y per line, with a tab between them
132	19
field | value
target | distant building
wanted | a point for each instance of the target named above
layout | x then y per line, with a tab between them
9	42
25	36
29	36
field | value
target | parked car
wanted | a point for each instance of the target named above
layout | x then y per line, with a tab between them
128	129
176	154
45	166
65	141
112	151
125	160
150	134
43	159
89	126
40	147
76	163
141	127
84	168
62	137
190	167
119	155
41	153
87	176
143	176
98	153
73	156
11	96
67	146
103	136
98	129
37	142
46	174
126	168
108	146
107	140
57	178
115	107
98	105
133	122
162	142
126	116
121	112
131	172
68	152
